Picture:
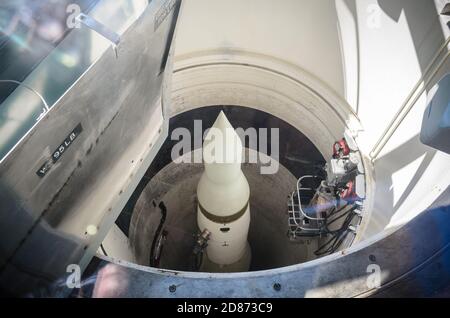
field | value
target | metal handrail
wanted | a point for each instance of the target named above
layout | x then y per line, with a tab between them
294	219
298	194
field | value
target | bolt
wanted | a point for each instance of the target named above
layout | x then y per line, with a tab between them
372	258
277	286
172	288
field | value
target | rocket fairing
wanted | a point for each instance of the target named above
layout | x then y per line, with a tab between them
223	201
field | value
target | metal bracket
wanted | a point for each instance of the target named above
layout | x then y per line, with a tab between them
101	29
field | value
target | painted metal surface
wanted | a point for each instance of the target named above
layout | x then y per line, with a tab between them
223	194
56	219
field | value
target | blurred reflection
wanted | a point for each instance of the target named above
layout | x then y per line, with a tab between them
112	281
30	32
44	19
107	281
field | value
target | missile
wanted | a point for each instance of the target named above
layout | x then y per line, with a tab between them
223	195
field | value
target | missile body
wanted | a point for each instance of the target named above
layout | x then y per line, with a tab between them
223	201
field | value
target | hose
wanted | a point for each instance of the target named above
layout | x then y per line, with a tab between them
154	259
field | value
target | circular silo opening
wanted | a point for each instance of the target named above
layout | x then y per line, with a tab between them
171	234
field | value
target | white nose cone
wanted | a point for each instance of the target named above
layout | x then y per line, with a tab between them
223	195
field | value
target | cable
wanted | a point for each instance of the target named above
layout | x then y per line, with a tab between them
338	235
198	261
153	257
338	243
103	249
340	216
318	251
